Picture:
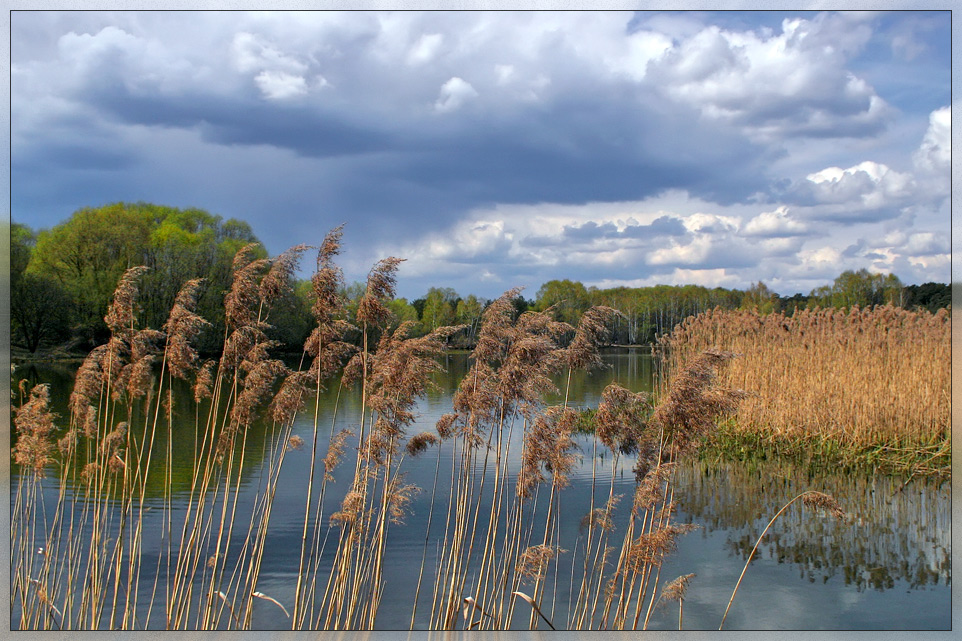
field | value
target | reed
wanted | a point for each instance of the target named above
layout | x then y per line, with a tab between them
812	499
80	564
875	381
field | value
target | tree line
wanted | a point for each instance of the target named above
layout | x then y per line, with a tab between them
61	281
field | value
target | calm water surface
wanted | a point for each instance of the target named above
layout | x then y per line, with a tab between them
886	567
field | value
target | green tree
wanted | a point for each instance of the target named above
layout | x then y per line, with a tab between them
930	296
39	307
468	312
291	317
438	308
759	296
87	254
403	311
569	298
861	288
793	303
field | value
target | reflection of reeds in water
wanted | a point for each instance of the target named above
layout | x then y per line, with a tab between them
812	499
868	551
500	528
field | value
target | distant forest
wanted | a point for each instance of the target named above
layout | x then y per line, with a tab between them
62	280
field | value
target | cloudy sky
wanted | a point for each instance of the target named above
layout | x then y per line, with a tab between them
500	149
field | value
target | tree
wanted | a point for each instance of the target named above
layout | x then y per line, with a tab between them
291	317
930	296
39	312
861	288
438	308
39	307
569	298
759	296
87	254
22	242
403	312
793	303
468	312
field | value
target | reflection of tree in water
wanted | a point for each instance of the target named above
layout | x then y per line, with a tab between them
893	534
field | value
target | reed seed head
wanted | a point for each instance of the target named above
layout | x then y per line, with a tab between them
278	279
381	281
676	589
182	327
335	451
822	501
121	313
204	381
421	442
34	423
399	497
533	561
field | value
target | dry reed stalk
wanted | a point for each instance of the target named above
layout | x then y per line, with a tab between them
811	499
392	379
676	590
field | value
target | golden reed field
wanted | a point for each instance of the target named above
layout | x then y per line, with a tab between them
863	378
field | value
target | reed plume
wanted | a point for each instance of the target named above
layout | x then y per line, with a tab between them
182	328
34	424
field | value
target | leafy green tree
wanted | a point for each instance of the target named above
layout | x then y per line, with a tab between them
793	303
468	312
39	312
352	295
569	298
759	296
87	254
22	242
291	317
403	312
522	304
930	296
861	288
438	308
39	307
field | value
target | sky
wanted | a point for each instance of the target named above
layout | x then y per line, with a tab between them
500	149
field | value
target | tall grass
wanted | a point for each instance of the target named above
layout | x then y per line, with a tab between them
875	379
81	563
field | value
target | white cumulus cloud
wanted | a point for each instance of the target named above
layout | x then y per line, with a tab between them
454	93
278	85
425	49
775	223
935	153
775	84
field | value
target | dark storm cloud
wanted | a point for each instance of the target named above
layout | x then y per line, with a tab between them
661	226
243	120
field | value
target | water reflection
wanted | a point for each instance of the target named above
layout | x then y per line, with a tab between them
895	533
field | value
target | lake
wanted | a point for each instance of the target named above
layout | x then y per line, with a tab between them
887	566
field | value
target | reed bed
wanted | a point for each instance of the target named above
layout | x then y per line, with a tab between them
873	381
81	563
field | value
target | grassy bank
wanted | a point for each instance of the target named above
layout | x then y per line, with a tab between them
865	388
817	453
